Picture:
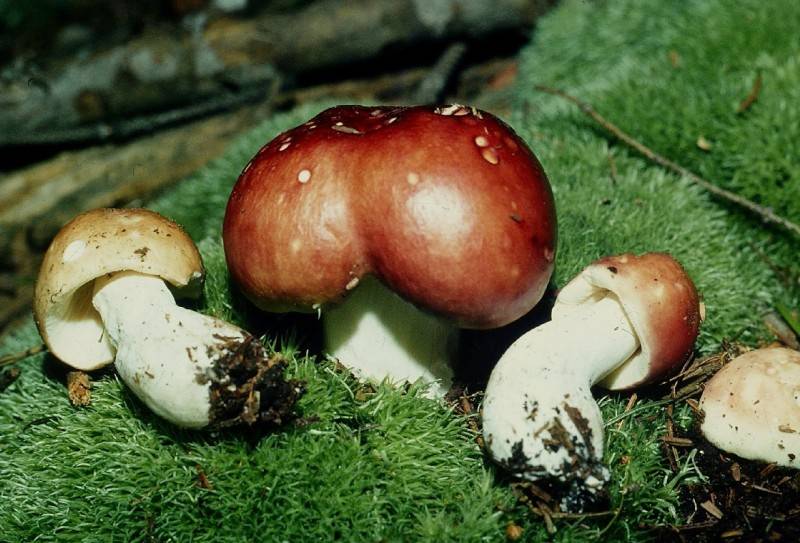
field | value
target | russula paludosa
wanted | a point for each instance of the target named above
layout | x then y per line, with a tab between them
401	225
751	407
102	296
623	321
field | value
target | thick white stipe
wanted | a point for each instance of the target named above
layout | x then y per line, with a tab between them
378	335
162	348
543	384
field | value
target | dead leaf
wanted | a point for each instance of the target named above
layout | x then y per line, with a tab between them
704	144
79	388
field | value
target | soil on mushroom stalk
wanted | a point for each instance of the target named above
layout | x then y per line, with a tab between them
247	386
740	500
547	498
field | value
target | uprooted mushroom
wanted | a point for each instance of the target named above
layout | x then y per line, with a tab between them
400	225
622	322
105	293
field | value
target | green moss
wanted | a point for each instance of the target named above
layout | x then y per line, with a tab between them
389	465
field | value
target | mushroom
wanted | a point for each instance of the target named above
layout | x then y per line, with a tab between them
751	407
102	296
399	225
623	321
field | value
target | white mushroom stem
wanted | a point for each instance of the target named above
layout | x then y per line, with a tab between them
378	335
165	353
540	420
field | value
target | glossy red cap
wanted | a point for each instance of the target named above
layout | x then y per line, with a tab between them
446	206
661	303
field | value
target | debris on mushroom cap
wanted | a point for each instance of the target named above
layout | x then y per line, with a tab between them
751	407
93	244
661	302
446	206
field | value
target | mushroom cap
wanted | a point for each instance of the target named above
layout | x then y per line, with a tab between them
660	301
752	406
446	206
98	242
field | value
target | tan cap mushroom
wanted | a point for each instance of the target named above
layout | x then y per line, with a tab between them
93	244
102	296
752	406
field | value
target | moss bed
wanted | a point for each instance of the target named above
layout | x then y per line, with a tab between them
387	464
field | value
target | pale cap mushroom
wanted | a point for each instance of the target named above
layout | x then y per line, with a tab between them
751	407
101	296
93	244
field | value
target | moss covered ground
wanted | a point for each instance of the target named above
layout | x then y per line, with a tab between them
388	464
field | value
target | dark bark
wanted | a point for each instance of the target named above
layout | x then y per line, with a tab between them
116	92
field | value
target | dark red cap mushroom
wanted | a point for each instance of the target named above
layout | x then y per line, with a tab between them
447	207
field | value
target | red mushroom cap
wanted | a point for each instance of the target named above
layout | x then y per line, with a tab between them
448	207
660	301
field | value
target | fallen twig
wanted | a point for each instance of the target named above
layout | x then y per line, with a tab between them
778	326
432	87
631	402
752	97
764	213
145	124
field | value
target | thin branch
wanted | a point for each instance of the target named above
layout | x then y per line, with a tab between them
431	89
16	357
751	98
764	213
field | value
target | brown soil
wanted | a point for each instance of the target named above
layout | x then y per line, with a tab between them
742	500
739	499
248	386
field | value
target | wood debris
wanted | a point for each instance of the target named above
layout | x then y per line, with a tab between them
79	388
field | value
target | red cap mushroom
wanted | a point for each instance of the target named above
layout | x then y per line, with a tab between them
623	321
447	207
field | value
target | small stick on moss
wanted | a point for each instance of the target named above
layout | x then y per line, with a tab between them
16	357
764	213
752	97
628	406
432	87
781	329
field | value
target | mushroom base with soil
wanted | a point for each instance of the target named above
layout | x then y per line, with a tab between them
540	420
190	369
378	335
